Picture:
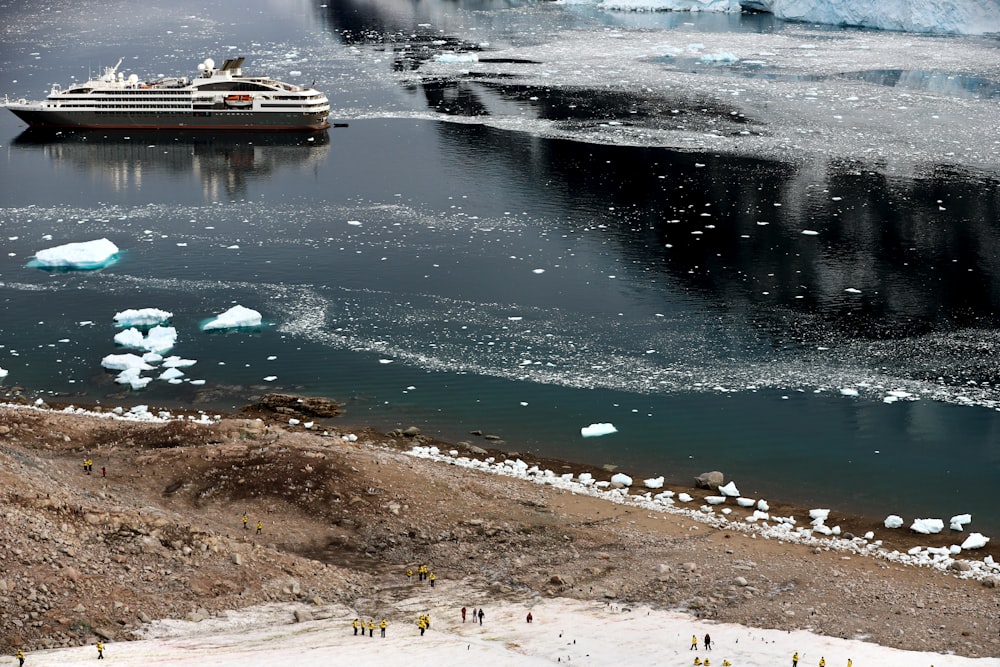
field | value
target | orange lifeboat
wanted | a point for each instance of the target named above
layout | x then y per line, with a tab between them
239	101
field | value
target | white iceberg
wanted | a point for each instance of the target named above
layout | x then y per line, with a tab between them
927	526
595	430
237	317
141	317
170	374
130	376
122	362
893	521
158	340
975	541
715	500
745	502
3	372
959	521
822	514
86	255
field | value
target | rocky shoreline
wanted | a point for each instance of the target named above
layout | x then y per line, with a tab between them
344	514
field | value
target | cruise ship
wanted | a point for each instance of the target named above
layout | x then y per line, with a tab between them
219	98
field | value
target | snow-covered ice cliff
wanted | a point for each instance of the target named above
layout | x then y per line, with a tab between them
964	17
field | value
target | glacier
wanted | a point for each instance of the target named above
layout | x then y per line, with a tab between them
959	17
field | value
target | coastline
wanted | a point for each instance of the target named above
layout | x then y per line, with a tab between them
160	538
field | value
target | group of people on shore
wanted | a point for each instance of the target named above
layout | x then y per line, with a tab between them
423	574
20	654
88	467
370	626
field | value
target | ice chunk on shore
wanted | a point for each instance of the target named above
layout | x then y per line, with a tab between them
975	541
3	372
170	374
141	317
619	480
959	521
654	483
927	526
237	317
893	521
595	430
730	490
87	255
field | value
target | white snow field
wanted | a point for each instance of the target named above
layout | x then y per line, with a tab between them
563	631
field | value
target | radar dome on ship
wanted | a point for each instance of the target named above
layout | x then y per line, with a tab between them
209	63
133	79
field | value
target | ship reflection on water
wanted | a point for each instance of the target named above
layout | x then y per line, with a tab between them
224	163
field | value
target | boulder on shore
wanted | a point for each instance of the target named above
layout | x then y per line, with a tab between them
710	480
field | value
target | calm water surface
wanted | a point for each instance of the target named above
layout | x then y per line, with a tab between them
456	277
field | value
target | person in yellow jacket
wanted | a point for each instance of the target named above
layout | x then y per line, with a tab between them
100	651
432	578
697	660
822	661
355	626
422	624
707	662
795	659
383	624
409	575
371	628
850	663
20	657
726	663
694	642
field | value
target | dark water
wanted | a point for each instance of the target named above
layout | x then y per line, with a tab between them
459	277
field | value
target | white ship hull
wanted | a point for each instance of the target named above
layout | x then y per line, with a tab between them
218	99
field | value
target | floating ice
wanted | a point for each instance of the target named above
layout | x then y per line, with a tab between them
121	362
177	362
927	526
960	520
822	514
721	57
270	378
3	372
237	317
715	500
975	541
170	374
893	521
456	58
159	339
730	490
654	483
595	430
745	502
852	290
130	376
847	391
141	317
810	232
87	255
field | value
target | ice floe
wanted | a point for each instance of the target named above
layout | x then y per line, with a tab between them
87	255
141	317
237	317
596	430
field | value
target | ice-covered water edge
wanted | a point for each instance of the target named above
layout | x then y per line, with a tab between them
757	523
888	129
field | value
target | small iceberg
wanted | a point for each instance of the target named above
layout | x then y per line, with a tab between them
456	58
893	521
596	430
158	340
237	317
88	255
141	317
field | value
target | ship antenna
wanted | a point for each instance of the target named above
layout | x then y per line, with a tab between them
117	65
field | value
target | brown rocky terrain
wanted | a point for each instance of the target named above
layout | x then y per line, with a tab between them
160	536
